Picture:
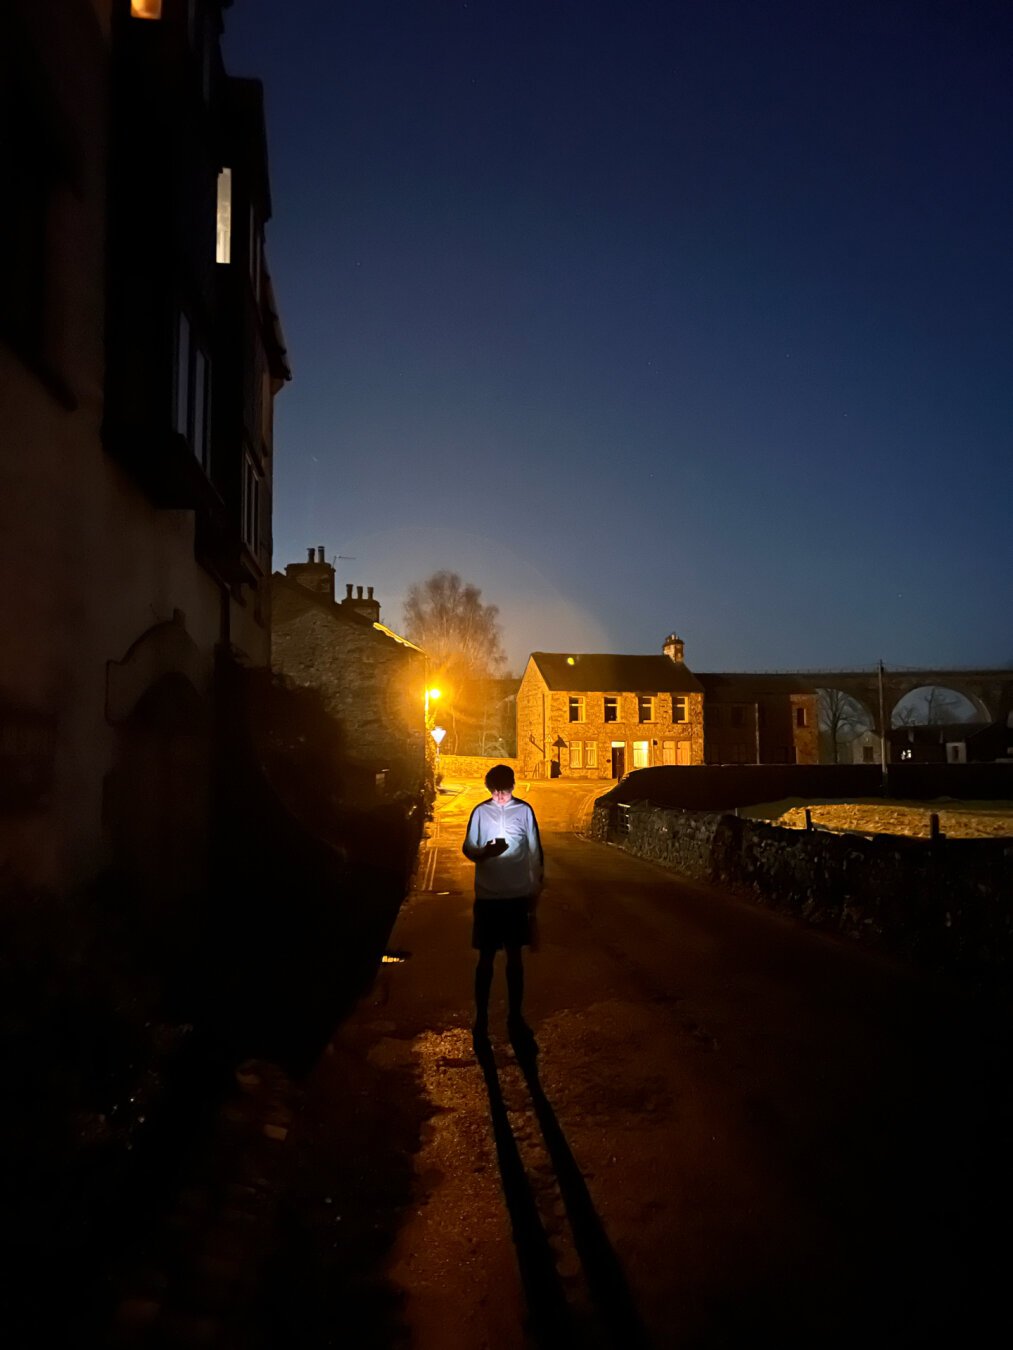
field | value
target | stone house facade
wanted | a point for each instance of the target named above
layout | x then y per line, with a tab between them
140	354
593	715
752	719
372	679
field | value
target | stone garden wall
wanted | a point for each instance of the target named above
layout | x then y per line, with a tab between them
947	905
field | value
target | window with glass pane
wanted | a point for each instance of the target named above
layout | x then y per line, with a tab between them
611	708
251	505
591	755
577	708
223	239
679	708
201	408
645	707
145	9
576	754
183	376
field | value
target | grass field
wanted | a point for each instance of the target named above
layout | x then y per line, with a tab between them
870	815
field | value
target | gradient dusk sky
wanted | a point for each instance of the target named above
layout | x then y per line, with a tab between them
652	314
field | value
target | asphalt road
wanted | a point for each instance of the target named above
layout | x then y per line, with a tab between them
733	1128
731	1132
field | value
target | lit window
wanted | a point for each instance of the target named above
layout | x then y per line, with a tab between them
611	708
145	9
641	754
251	505
645	707
576	754
679	713
223	244
590	754
577	708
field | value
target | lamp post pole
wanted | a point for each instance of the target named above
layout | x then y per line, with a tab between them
882	732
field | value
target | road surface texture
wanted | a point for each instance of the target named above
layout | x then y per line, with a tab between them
730	1131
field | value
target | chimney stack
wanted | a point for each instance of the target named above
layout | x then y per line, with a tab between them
366	605
673	648
316	573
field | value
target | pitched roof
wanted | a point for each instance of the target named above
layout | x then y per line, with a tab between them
340	613
606	672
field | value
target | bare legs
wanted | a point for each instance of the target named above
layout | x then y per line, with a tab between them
483	984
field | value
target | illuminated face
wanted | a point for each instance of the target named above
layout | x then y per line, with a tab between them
502	795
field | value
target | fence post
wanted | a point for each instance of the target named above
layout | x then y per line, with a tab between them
808	819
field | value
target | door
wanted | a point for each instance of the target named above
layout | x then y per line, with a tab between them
683	750
668	752
618	758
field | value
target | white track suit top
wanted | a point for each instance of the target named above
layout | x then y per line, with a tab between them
516	872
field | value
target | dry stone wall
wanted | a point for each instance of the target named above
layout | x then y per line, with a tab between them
948	906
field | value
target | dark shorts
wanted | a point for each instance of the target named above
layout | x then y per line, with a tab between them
501	923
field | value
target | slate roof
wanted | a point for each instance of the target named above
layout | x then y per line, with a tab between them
342	613
608	673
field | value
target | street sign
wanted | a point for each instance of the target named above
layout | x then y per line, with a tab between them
438	734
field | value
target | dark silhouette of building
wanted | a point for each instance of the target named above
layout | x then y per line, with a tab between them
140	354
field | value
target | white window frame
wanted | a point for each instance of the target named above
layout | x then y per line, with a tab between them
576	754
642	752
651	703
590	754
605	710
680	708
578	703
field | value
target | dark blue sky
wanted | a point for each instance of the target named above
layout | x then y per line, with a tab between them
647	314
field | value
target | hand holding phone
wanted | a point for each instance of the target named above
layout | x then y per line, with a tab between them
495	847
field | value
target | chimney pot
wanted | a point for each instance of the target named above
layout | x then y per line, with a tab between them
320	553
348	590
358	592
309	555
369	592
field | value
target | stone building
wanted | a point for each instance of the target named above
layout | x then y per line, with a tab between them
754	719
140	354
595	715
372	679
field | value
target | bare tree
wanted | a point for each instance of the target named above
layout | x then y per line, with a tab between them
461	636
841	717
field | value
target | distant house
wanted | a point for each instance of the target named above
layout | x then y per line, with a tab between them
953	743
865	748
598	715
372	679
752	718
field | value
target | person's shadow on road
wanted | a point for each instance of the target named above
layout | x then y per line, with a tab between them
552	1322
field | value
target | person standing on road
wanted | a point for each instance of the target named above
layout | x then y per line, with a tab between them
502	841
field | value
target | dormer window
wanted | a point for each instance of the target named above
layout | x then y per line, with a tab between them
223	244
145	9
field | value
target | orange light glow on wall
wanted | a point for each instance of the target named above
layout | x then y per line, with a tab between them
145	9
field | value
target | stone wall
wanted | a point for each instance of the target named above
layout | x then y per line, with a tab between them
372	685
472	766
945	905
